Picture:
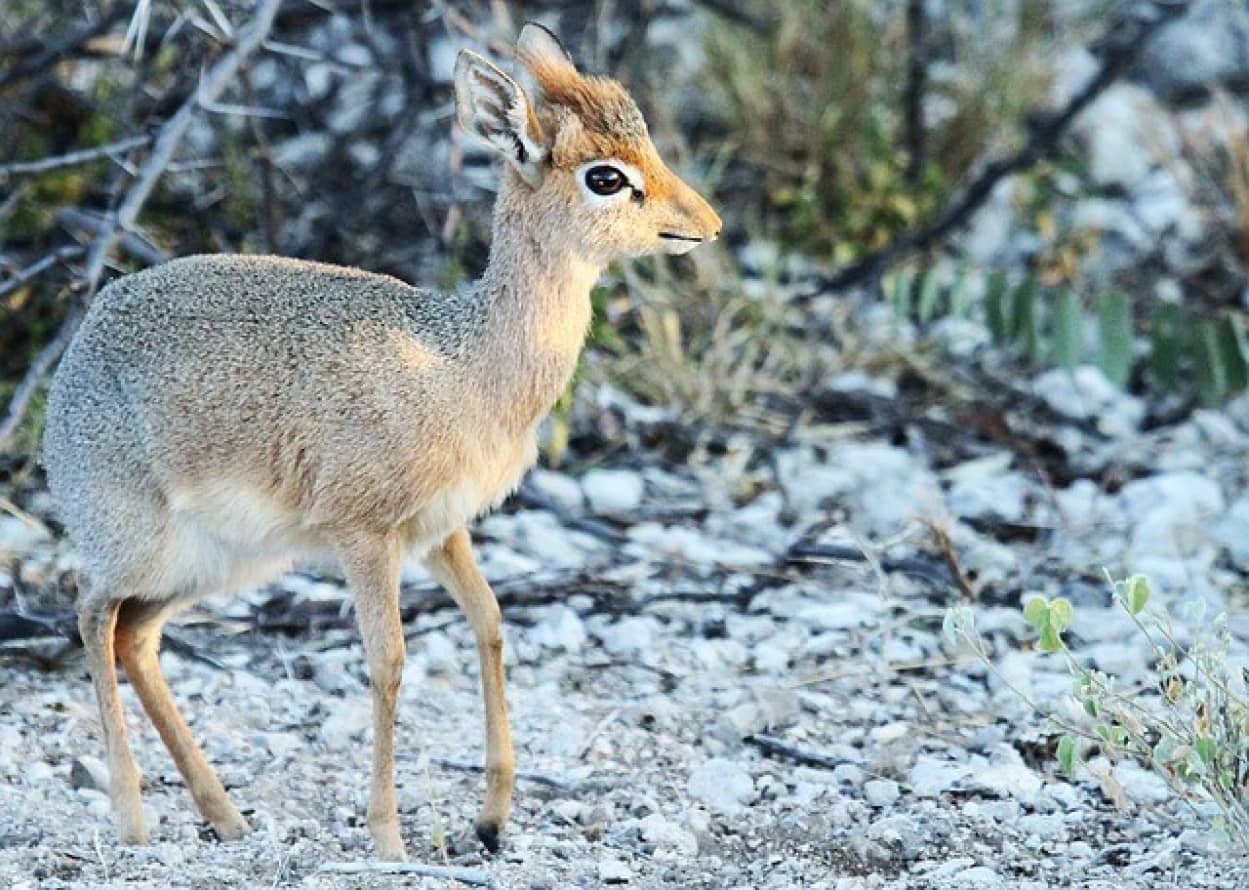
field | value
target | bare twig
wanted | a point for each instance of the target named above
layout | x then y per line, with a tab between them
946	548
34	376
64	48
475	876
115	226
916	83
1120	48
557	782
37	268
70	159
97	224
775	747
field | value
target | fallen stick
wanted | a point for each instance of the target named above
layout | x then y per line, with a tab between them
474	876
556	782
772	745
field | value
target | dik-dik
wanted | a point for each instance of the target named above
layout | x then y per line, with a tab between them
219	417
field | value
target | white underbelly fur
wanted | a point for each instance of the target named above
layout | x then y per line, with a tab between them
228	535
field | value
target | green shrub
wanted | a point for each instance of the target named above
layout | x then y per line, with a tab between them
1190	726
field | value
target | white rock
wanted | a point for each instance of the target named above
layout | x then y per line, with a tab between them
984	488
1087	393
614	871
1197	51
1125	133
1232	533
560	629
40	771
18	536
668	836
88	772
346	723
559	488
722	785
650	540
880	792
930	777
850	610
612	491
1046	826
440	654
629	636
1141	785
1006	779
979	877
1172	514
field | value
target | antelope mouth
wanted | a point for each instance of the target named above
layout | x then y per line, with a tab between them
673	236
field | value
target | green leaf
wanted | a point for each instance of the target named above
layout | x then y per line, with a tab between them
1114	334
1167	333
1067	754
1091	707
1050	641
1207	749
1068	330
1060	614
929	296
900	289
1232	357
1211	379
1036	611
960	297
997	311
1028	321
1138	593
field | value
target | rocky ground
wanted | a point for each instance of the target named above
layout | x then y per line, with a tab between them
722	674
726	660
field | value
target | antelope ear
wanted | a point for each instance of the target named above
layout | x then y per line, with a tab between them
543	60
537	46
493	107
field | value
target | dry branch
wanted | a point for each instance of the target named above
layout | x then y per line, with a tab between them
66	48
38	369
116	225
37	268
70	159
474	876
559	783
1119	49
775	747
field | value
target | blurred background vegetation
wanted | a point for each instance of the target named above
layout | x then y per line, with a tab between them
829	134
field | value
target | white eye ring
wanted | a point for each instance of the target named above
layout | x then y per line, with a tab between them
635	184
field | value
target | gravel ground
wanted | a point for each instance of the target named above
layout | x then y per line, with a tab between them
665	631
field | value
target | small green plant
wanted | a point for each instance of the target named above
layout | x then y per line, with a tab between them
1208	356
1191	727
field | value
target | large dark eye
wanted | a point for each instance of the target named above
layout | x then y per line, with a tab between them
604	180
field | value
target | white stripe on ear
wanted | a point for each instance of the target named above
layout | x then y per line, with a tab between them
493	107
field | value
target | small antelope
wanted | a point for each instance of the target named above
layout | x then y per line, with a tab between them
217	418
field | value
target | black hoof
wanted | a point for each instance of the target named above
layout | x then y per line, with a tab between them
488	834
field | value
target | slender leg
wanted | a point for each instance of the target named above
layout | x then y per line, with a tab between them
97	619
372	569
453	565
139	626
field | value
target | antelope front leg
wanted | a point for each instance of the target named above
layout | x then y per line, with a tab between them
372	569
453	565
